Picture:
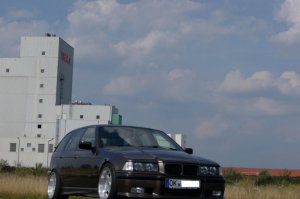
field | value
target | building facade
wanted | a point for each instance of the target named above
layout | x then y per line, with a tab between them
36	107
179	138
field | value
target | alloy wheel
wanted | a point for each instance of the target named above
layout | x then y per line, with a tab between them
105	183
51	185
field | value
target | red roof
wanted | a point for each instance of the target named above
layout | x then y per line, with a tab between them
273	172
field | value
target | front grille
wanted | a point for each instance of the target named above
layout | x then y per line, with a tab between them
190	170
181	169
173	169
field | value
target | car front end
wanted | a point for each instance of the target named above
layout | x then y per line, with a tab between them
170	180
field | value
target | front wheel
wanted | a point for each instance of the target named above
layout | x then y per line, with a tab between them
107	183
54	187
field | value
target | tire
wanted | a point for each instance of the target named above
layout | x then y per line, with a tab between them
107	182
54	187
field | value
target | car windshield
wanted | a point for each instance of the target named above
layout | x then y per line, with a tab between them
136	137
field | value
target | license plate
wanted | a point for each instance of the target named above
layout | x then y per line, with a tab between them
182	184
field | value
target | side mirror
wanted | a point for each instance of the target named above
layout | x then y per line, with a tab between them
189	150
86	145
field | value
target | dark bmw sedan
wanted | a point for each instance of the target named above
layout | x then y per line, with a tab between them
109	162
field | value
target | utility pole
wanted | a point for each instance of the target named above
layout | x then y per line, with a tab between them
19	142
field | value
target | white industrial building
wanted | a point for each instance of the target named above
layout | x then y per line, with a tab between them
179	138
36	108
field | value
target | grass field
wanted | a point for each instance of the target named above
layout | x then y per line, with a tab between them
262	192
35	187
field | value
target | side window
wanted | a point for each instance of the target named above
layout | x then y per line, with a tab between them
162	142
61	146
74	141
89	136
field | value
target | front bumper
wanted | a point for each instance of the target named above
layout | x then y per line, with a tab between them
153	186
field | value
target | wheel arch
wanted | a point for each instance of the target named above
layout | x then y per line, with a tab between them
105	161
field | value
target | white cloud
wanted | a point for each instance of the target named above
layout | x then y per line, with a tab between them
97	15
267	93
177	73
138	32
176	84
235	82
136	52
269	106
289	83
12	31
126	85
181	84
289	13
211	128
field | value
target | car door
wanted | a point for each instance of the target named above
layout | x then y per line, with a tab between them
88	161
68	159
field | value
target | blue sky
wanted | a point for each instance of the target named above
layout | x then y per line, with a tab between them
225	73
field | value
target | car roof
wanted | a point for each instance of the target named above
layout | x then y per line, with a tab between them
109	125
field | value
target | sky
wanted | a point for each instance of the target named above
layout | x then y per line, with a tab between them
226	73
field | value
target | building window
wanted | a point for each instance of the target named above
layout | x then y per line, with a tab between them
13	147
41	85
22	149
41	148
41	100
7	70
39	126
40	115
97	117
43	52
81	116
50	148
28	145
42	70
33	149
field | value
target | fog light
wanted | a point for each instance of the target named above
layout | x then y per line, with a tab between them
216	193
137	190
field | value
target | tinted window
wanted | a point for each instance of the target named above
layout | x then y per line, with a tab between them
61	146
137	137
73	143
89	136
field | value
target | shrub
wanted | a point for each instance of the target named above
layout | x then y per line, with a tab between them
23	171
4	166
231	176
284	179
264	178
39	170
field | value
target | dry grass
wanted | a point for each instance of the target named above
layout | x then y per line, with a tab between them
249	191
10	183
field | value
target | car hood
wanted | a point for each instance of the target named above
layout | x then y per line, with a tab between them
156	154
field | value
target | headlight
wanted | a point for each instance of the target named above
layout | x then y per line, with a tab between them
141	166
209	170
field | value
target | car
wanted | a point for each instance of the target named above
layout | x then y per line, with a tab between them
108	162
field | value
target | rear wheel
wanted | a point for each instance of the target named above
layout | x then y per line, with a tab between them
54	187
107	183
